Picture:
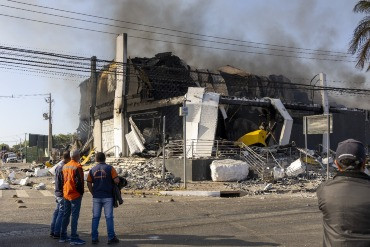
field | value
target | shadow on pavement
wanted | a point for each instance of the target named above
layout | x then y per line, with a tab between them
190	240
24	234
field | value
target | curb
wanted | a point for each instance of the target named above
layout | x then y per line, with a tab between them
191	193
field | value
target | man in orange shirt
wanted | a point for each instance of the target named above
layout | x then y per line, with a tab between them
73	189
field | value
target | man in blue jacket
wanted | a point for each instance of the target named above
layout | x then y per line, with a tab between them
100	182
56	222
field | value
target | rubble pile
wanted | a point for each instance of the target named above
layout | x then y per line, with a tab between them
147	176
297	184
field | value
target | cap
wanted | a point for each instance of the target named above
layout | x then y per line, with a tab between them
351	149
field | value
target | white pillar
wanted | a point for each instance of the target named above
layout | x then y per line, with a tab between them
118	121
325	106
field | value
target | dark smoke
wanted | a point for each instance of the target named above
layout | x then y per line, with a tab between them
274	28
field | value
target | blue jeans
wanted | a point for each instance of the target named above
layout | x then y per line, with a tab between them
56	222
71	207
98	204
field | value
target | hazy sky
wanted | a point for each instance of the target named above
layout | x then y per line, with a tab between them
320	24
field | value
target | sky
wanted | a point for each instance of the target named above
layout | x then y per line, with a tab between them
306	24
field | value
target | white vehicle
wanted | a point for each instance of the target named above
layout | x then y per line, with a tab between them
12	158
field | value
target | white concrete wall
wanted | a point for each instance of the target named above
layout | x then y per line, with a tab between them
97	132
108	135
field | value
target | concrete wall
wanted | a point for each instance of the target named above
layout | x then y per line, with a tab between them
196	170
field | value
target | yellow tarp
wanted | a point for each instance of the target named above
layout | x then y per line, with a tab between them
254	137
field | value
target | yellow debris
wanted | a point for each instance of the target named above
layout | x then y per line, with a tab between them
254	137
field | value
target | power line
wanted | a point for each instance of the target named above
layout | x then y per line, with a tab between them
23	63
176	36
178	43
172	30
45	50
23	95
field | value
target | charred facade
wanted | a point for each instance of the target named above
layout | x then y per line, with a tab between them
156	88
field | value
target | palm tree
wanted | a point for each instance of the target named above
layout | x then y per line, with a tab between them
360	42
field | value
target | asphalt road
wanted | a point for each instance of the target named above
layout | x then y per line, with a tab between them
270	220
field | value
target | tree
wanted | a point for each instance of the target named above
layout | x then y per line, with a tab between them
61	141
4	147
360	42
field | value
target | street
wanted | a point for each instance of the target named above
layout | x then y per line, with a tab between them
267	220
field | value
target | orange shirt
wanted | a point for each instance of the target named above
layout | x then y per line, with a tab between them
73	180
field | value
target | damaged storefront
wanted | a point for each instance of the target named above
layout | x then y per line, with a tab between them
123	105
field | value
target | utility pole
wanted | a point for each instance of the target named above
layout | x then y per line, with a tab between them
25	147
184	112
326	107
48	116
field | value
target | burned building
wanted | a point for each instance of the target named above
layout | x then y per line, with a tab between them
155	87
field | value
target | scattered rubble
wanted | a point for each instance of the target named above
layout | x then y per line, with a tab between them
39	172
296	168
298	184
4	185
146	175
40	186
11	176
25	181
267	187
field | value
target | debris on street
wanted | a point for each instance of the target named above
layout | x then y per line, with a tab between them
40	186
24	181
4	185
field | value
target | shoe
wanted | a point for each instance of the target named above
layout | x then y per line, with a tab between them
95	241
51	235
77	242
56	236
114	240
64	240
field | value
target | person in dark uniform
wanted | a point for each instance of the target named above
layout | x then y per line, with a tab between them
344	200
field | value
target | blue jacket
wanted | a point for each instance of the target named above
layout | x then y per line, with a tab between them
59	179
101	176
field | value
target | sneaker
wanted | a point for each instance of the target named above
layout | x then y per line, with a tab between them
64	240
77	242
95	241
56	236
51	235
114	240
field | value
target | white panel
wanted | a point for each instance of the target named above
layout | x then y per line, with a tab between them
108	135
194	103
201	122
191	137
288	121
208	123
134	142
194	99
